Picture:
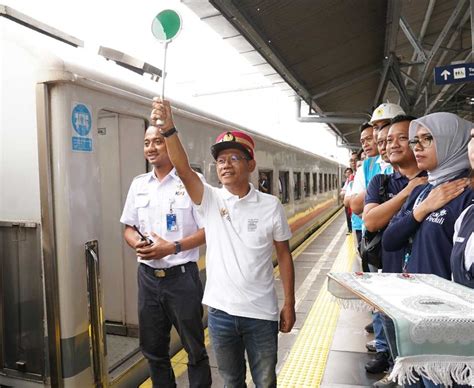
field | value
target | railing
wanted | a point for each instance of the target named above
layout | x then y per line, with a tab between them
96	317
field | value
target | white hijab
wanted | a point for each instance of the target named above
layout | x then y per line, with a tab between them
451	135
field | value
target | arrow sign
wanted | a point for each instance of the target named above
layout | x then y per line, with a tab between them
459	73
445	74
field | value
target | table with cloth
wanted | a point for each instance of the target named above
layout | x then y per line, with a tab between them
433	320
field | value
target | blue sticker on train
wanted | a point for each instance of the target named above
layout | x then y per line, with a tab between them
81	144
81	119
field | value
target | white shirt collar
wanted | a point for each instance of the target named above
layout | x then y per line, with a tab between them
250	197
173	174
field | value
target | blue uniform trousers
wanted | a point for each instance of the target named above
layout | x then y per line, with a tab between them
173	300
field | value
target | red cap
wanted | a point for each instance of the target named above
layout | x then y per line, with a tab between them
233	139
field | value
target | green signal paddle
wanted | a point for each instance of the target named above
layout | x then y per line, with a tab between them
165	27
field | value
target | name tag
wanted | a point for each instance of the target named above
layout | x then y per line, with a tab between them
171	224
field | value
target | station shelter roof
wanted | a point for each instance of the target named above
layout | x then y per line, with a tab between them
345	57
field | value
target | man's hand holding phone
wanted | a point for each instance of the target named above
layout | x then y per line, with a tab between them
143	239
148	249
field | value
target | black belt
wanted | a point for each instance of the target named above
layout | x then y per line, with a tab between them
166	272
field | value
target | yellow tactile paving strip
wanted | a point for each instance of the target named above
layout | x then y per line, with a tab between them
306	362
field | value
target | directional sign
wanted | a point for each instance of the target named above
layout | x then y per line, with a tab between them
463	72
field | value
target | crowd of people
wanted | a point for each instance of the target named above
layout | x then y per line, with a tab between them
409	187
413	197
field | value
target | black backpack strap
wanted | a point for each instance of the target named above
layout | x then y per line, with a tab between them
384	188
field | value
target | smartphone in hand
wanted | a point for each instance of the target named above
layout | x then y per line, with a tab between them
142	237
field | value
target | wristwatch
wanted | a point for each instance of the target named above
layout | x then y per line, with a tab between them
177	247
169	132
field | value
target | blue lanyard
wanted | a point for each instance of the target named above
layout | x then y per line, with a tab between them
422	196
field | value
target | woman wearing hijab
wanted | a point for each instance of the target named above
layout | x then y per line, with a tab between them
462	255
425	224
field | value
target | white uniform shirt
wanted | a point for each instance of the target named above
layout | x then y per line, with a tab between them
359	178
149	201
239	238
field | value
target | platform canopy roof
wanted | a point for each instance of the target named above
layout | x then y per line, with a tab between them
345	57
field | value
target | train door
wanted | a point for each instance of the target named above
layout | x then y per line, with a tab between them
120	146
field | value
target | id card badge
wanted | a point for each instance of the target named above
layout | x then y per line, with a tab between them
171	224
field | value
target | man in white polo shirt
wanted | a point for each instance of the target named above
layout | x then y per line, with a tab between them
166	240
242	225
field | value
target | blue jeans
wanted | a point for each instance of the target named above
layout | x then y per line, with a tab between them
381	344
232	336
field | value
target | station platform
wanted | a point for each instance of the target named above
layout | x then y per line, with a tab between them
326	347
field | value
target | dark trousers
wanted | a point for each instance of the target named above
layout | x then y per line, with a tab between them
348	218
173	300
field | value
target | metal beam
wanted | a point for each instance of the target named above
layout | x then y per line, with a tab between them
391	31
451	95
397	80
412	39
424	26
408	77
332	120
339	84
337	119
439	41
383	81
394	9
410	64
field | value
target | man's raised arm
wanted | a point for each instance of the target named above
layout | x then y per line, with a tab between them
177	154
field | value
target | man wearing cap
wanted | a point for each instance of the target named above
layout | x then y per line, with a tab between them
242	225
169	287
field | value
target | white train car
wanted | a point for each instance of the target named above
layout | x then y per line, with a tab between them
71	141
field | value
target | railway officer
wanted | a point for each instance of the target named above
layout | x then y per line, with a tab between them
169	288
242	225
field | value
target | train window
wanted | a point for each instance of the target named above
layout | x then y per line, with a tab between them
325	183
196	167
212	177
306	184
315	183
297	183
320	181
283	184
265	181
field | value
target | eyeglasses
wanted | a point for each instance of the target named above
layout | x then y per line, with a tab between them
381	143
424	141
234	159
